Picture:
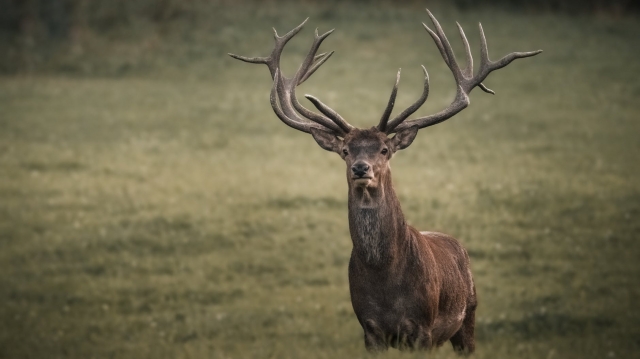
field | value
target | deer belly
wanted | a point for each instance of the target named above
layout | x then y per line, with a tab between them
401	320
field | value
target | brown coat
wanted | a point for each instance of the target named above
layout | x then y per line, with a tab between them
408	289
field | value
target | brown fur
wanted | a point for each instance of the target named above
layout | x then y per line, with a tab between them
408	289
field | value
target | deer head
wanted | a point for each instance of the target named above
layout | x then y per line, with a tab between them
367	151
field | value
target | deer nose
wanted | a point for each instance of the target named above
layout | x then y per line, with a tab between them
360	169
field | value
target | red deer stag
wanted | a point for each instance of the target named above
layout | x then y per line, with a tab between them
409	289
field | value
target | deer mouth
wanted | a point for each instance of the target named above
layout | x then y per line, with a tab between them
362	180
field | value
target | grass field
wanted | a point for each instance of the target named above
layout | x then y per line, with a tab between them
165	212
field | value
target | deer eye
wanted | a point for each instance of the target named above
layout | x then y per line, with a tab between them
345	152
384	151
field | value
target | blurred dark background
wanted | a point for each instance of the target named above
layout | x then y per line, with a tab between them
55	35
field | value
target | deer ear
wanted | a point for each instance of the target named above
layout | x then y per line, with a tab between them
326	140
403	138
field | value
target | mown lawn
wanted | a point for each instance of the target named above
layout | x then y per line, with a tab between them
167	213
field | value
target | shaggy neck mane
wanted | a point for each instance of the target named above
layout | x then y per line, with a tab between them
376	222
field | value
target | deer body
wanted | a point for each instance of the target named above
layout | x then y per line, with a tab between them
409	289
422	299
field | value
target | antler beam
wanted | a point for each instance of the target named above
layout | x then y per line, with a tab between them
465	80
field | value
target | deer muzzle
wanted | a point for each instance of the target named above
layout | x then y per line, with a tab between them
360	170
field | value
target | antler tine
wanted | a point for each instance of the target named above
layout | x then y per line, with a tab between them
465	79
382	126
468	71
322	120
322	58
281	41
273	60
484	51
283	99
319	56
487	66
253	60
304	68
312	58
413	108
446	46
436	39
327	111
484	59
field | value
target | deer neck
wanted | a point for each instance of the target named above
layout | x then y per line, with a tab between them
376	222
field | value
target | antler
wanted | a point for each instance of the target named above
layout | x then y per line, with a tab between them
465	80
283	93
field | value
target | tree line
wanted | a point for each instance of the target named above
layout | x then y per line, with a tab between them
56	19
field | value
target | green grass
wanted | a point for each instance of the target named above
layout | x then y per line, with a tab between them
169	214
